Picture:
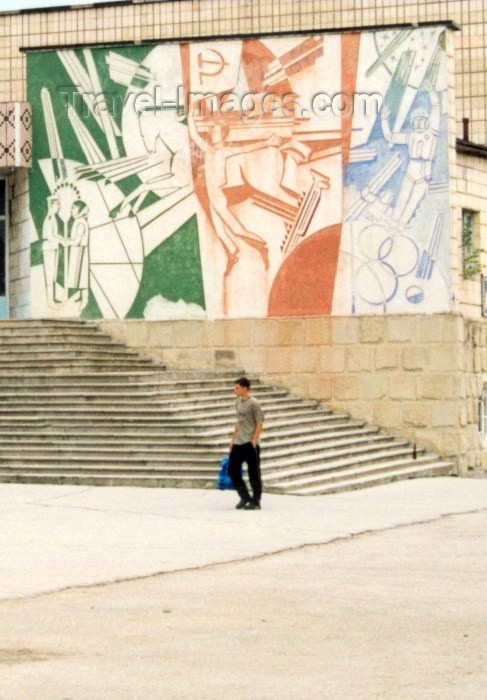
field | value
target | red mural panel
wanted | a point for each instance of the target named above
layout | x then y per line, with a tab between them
306	279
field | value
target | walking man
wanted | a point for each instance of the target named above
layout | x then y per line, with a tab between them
244	446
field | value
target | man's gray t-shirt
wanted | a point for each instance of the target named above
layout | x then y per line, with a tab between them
249	413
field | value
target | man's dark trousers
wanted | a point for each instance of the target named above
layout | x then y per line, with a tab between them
250	454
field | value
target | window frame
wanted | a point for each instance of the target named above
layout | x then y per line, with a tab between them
471	265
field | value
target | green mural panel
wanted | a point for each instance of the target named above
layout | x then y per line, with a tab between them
172	270
91	310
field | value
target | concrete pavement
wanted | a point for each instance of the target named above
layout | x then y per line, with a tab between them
57	537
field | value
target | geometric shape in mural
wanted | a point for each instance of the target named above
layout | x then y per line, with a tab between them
15	135
106	282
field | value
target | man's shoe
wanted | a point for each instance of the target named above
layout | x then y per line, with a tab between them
242	503
251	505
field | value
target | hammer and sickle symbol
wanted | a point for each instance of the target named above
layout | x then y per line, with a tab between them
218	63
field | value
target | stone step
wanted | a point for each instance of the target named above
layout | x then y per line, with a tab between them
58	340
187	453
75	377
155	407
80	461
394	471
283	436
55	390
150	480
336	443
155	375
193	479
55	355
324	430
60	392
118	451
152	409
210	428
313	480
114	468
195	377
66	365
163	377
22	361
224	392
155	400
44	325
82	330
309	467
188	461
49	352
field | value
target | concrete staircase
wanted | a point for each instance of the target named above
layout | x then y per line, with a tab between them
79	408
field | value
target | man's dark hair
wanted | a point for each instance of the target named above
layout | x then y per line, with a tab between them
243	381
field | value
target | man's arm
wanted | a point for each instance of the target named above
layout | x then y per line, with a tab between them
234	435
258	430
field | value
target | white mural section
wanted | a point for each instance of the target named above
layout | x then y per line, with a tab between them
395	245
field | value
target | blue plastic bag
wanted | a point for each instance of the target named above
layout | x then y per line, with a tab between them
224	481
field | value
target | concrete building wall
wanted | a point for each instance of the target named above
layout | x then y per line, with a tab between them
19	245
470	193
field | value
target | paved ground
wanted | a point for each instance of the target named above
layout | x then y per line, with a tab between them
372	594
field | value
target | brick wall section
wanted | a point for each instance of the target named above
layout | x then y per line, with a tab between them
19	245
185	19
414	376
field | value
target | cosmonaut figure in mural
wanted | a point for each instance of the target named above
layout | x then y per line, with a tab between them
76	249
421	143
52	229
227	225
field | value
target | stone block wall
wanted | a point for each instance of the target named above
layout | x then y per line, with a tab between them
19	245
416	377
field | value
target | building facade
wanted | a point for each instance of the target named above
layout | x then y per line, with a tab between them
296	188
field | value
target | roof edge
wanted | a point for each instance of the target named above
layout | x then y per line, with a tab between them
448	24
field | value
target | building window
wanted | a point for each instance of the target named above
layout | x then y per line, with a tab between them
470	253
483	413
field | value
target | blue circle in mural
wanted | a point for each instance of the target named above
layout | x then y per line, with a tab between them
376	283
414	294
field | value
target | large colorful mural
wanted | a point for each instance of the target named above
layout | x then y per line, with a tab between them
242	178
